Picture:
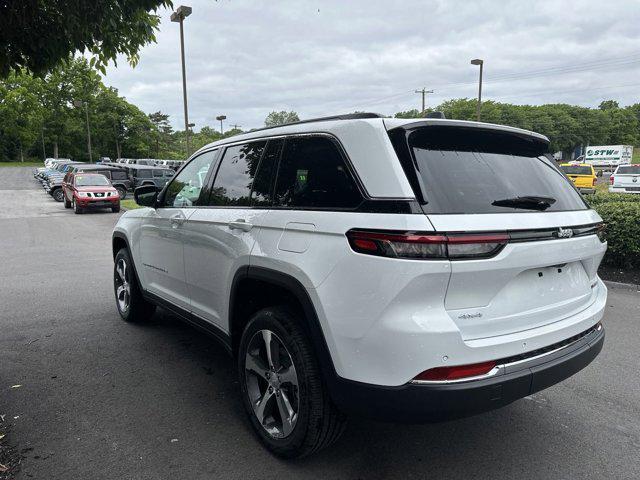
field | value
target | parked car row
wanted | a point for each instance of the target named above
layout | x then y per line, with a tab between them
153	162
58	177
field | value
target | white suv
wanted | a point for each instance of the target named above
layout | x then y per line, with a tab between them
405	270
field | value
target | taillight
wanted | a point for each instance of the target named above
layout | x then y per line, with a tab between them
594	182
455	373
412	245
611	180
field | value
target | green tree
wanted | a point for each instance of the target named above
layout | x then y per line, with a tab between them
280	118
39	35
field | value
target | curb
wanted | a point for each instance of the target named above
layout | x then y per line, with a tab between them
622	286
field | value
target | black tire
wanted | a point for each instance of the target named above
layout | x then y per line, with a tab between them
67	203
318	422
138	309
115	209
122	192
77	208
57	195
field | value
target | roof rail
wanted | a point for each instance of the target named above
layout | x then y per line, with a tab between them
346	116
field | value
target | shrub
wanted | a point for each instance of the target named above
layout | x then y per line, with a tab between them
623	231
606	197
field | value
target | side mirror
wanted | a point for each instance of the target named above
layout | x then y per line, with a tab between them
146	196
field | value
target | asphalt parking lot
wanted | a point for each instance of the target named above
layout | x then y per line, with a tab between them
103	399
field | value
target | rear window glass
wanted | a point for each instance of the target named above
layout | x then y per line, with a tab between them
465	170
575	170
630	170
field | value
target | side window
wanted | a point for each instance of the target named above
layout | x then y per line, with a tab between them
184	189
234	180
106	173
313	174
157	173
118	175
263	182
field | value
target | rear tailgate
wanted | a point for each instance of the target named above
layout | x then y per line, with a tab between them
473	179
627	181
531	282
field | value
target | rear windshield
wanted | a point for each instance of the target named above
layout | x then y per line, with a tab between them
575	170
467	170
630	170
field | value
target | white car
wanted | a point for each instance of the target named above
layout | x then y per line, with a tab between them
625	179
405	270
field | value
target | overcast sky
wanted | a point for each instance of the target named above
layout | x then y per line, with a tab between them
247	58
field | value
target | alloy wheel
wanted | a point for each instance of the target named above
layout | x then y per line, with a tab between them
123	285
272	384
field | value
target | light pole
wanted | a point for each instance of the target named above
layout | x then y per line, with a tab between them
44	152
78	104
478	61
221	118
178	16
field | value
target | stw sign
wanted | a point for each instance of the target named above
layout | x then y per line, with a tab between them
608	155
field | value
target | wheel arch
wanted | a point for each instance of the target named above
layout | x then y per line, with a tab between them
254	288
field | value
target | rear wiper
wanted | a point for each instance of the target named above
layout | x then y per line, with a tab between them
528	202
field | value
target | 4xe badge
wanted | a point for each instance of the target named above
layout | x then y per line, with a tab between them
564	233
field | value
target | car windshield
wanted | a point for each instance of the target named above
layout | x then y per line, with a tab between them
576	170
629	170
468	170
91	181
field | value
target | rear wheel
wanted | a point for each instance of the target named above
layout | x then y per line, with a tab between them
282	389
132	307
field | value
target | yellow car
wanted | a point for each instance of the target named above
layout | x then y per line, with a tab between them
582	175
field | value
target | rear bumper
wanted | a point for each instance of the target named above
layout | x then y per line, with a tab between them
587	190
436	401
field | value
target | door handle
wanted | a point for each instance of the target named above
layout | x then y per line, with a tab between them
240	224
177	220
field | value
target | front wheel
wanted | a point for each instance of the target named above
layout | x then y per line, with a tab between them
115	209
131	305
76	207
57	195
283	393
122	192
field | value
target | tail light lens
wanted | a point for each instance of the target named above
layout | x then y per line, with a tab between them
594	182
611	180
412	245
455	373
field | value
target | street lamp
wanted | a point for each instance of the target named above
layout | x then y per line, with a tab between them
221	118
178	16
79	104
478	61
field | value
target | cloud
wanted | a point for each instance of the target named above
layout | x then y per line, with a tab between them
247	58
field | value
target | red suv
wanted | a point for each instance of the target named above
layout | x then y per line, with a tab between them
90	190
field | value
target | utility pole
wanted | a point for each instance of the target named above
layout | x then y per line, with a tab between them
424	92
235	126
178	16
